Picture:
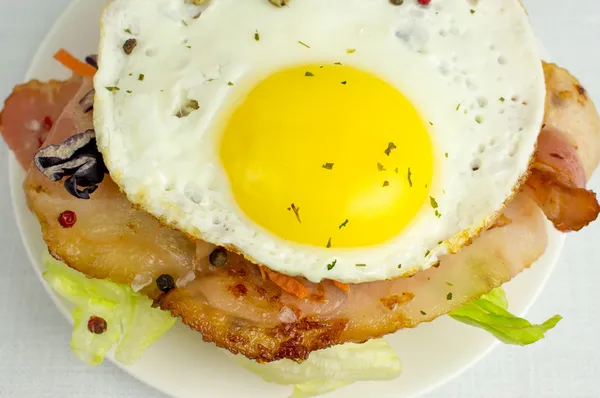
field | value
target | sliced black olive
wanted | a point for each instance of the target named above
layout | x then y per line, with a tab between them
78	159
92	60
87	102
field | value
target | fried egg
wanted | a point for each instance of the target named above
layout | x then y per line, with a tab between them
353	140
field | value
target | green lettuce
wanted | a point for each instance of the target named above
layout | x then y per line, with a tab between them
489	312
329	369
132	323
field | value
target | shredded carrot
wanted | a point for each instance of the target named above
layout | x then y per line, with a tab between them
344	286
76	66
288	284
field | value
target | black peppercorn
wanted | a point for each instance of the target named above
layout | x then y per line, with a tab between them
165	283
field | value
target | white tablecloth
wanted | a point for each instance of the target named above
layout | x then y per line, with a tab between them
34	337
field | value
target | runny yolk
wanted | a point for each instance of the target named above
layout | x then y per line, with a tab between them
329	155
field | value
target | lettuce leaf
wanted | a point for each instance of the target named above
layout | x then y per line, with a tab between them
132	323
489	312
330	369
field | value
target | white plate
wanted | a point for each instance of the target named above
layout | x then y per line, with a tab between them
183	366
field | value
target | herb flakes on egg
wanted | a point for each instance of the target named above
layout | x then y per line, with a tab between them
296	211
391	147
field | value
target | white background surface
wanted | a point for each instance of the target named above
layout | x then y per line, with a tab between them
34	356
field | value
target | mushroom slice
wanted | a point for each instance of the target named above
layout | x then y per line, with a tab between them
78	159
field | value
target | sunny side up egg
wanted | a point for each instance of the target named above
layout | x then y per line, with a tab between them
352	140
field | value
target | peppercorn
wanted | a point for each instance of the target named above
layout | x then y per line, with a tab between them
165	283
129	46
279	3
67	219
97	325
218	257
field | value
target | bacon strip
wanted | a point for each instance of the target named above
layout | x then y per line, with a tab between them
568	151
30	113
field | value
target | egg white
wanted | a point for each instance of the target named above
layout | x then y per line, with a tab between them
472	71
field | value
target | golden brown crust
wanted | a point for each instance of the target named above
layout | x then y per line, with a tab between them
570	110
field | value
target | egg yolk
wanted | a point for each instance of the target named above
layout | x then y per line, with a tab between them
328	155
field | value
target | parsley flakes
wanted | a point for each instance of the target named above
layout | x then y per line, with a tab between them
386	184
380	167
309	74
433	202
111	89
342	225
331	265
328	243
296	211
328	166
391	146
409	177
256	35
141	77
449	296
303	43
360	265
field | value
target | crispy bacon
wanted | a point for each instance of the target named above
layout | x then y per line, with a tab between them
568	151
31	111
